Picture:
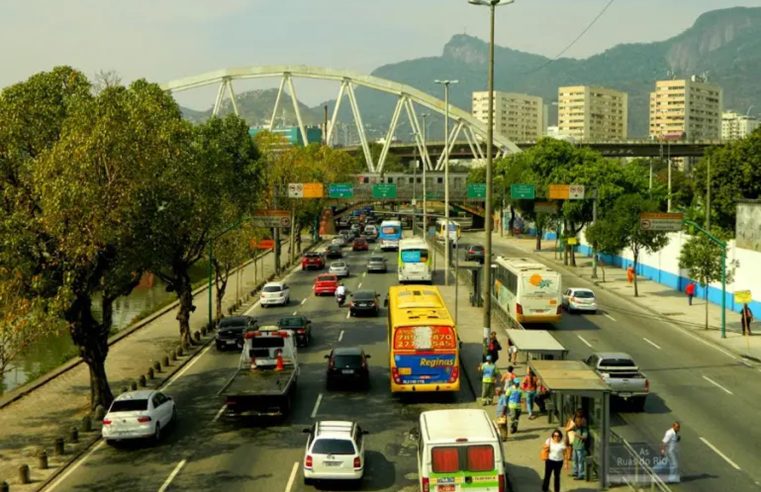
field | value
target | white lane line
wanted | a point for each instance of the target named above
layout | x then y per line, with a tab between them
709	344
718	385
187	366
219	413
294	313
251	309
73	468
292	478
364	275
303	301
340	335
348	314
652	343
609	316
174	473
359	285
585	342
724	456
316	405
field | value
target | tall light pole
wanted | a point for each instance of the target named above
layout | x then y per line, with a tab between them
425	165
446	84
492	4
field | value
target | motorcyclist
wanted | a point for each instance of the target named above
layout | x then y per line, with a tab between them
340	293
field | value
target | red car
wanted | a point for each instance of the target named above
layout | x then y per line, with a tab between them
325	284
360	244
312	260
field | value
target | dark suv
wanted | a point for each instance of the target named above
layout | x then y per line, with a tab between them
302	327
475	253
230	331
348	366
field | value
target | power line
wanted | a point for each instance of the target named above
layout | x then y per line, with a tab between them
564	50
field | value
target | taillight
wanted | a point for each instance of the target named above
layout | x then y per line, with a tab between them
454	374
308	461
647	386
502	483
300	331
143	419
426	485
357	462
106	421
395	375
518	309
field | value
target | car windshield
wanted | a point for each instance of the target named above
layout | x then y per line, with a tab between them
327	278
476	248
348	361
338	264
312	255
291	321
584	294
129	406
333	446
376	258
272	288
227	322
364	295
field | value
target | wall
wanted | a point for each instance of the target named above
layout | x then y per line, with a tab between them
748	225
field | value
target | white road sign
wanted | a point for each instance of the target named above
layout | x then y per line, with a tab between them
661	222
295	190
576	192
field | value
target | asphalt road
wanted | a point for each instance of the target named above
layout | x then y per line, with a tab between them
207	452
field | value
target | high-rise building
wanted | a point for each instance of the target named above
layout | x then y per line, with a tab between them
735	126
688	109
593	114
519	117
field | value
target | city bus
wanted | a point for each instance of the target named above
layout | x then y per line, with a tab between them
527	291
423	345
390	233
455	230
414	263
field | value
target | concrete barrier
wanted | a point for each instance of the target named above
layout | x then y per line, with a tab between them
23	474
59	447
42	459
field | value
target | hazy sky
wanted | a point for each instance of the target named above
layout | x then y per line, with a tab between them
163	40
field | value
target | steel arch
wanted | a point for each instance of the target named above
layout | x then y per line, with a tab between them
473	130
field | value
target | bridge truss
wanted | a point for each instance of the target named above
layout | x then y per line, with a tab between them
465	126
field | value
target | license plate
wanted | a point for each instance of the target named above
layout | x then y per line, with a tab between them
347	371
446	488
332	463
230	342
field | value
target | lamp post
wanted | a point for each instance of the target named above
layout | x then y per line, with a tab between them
425	165
446	84
492	4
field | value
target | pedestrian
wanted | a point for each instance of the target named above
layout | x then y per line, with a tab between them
554	455
493	347
690	291
514	395
508	377
630	274
501	412
570	427
512	351
746	316
670	454
542	394
488	376
579	446
529	386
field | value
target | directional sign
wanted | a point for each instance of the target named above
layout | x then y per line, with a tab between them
566	192
575	192
476	191
271	218
660	222
314	190
381	191
295	190
340	190
522	192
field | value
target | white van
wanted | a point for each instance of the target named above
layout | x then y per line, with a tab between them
460	450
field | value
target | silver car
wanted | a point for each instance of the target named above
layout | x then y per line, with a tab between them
339	269
377	264
578	299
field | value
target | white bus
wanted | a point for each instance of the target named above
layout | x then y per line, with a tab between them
414	261
529	292
390	233
455	230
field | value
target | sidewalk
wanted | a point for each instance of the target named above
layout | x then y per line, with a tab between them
41	415
662	301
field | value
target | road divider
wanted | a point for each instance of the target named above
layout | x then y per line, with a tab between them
171	476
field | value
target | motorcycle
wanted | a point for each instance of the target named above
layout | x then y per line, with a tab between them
340	299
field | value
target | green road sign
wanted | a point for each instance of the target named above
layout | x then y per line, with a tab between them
340	190
381	191
476	191
522	192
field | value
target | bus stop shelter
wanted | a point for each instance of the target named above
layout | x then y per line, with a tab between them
573	384
537	344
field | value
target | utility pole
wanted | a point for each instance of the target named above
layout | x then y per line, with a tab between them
594	220
425	166
708	196
447	247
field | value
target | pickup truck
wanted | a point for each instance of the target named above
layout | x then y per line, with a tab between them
621	373
265	381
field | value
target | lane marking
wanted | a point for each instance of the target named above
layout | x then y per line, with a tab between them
609	316
718	385
172	475
709	344
251	309
340	335
585	342
303	301
219	413
359	285
364	275
316	405
348	315
187	366
73	468
292	478
724	456
652	343
294	313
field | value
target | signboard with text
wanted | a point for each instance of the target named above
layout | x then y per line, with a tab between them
340	190
305	190
661	222
522	192
271	218
476	191
565	192
381	191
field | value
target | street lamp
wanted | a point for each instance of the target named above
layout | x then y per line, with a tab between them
446	84
492	4
425	165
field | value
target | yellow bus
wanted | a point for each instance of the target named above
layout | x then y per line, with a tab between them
423	345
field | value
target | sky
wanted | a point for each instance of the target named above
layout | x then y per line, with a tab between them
164	40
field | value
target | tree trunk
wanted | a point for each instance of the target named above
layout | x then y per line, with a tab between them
602	268
539	233
705	289
511	222
184	291
91	338
221	289
276	237
636	258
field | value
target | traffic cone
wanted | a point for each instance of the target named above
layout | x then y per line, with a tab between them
279	365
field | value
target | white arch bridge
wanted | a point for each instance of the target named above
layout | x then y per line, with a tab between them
463	125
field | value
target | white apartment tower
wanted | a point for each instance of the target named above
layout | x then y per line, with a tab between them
519	117
689	108
735	126
593	114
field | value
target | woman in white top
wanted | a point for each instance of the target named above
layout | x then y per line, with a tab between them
555	462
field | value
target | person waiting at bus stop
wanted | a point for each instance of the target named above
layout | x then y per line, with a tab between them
514	396
488	376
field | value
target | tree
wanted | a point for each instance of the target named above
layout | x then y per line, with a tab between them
702	258
607	236
230	251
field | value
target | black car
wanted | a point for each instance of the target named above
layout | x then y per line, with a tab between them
301	325
230	331
348	366
364	302
333	251
475	253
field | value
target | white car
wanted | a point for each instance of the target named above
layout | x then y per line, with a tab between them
137	415
577	299
339	241
275	293
339	269
335	450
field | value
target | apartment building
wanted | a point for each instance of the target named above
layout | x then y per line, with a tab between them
593	114
735	126
519	117
689	109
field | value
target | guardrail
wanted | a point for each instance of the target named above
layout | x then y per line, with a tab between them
642	477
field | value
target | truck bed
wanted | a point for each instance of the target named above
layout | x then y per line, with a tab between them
264	382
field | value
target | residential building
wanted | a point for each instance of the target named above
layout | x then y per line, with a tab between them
519	117
593	114
688	109
735	126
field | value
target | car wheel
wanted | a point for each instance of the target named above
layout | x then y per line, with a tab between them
174	416
110	442
308	481
157	433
